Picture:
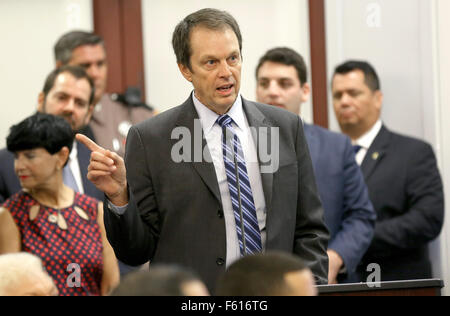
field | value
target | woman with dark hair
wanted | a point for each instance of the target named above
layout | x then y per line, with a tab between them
47	218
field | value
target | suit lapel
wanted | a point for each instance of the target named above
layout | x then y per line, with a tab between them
190	119
262	127
376	153
206	170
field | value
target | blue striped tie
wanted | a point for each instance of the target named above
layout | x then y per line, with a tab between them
240	190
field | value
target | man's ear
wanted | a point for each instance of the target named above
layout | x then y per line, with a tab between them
58	64
186	72
41	101
379	97
306	92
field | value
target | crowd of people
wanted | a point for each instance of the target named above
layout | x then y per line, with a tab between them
84	214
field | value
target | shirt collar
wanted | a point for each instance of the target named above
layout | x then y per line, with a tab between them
208	117
74	152
367	139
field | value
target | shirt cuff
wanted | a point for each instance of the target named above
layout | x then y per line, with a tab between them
118	210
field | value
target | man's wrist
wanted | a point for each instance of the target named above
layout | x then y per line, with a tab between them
120	198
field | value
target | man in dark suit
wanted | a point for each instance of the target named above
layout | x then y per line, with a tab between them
401	173
206	203
68	92
282	81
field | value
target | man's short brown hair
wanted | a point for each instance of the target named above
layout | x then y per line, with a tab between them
209	18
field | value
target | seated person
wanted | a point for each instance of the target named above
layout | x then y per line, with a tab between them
22	274
170	280
49	219
267	274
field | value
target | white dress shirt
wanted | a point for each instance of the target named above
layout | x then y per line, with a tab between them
366	141
75	167
213	135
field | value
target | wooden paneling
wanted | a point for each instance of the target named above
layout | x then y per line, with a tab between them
119	22
318	61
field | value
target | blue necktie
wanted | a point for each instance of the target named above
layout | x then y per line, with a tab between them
356	149
69	179
240	190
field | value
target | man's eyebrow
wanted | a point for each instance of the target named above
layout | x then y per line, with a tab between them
208	57
276	78
285	79
81	99
61	93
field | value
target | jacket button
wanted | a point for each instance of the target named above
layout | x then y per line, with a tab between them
220	262
220	213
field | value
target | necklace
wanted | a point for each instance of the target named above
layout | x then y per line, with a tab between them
57	219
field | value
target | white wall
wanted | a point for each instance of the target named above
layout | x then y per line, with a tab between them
264	24
28	31
389	35
408	42
441	80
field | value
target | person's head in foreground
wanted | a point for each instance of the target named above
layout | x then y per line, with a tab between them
22	274
161	280
267	274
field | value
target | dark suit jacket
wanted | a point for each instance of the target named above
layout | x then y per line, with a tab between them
406	190
9	183
175	212
349	214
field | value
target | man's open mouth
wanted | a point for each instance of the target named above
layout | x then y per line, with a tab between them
225	88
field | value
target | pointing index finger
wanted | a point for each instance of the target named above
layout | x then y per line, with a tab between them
89	143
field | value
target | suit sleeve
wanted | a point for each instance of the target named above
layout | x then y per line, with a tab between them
134	235
422	221
311	234
357	227
9	182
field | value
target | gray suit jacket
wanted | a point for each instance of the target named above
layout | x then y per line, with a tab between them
175	212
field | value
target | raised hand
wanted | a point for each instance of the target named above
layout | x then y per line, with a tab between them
107	172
